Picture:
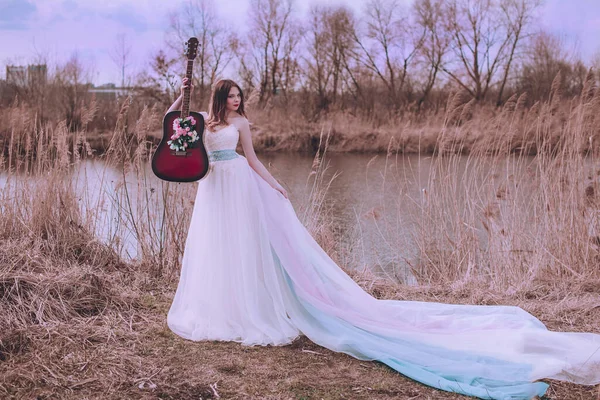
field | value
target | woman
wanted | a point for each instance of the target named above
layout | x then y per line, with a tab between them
252	273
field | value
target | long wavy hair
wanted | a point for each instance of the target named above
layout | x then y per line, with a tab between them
218	103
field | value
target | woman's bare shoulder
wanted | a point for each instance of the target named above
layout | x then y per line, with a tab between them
239	122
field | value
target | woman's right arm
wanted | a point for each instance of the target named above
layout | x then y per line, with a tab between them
177	105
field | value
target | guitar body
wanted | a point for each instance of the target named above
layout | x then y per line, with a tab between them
180	157
180	166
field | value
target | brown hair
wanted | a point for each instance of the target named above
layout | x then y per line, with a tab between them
218	103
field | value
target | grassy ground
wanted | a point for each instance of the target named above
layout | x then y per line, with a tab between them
79	330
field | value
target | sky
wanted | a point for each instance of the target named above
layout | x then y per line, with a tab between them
58	28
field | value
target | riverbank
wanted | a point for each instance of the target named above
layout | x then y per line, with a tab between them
460	129
271	139
81	323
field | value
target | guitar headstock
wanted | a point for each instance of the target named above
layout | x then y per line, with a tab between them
191	48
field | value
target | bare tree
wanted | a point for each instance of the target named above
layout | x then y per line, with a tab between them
547	56
317	62
160	79
198	18
330	45
595	64
72	78
38	87
393	36
270	23
121	55
542	65
480	44
252	55
436	41
518	16
341	24
248	67
289	72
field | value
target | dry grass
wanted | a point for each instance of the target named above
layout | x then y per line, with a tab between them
521	221
77	321
80	331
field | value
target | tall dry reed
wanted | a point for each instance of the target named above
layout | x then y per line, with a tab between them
508	220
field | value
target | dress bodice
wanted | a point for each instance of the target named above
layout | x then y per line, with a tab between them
223	139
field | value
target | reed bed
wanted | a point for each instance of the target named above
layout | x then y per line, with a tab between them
79	320
524	220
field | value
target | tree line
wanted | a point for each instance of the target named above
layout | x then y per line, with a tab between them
391	56
389	59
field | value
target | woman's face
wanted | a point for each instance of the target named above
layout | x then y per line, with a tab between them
234	99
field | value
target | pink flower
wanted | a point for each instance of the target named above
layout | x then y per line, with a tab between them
193	120
185	144
187	128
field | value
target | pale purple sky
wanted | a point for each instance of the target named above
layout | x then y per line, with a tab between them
58	28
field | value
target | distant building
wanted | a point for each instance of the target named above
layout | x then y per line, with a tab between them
37	74
31	75
109	91
16	74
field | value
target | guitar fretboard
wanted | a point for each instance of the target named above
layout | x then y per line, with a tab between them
185	107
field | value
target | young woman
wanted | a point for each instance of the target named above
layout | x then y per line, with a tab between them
252	273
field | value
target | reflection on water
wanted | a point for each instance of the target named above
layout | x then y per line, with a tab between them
374	202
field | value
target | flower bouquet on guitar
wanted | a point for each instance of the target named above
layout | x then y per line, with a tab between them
184	134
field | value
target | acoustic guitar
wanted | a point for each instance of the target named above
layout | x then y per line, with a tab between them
181	155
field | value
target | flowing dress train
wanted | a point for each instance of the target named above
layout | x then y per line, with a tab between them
252	273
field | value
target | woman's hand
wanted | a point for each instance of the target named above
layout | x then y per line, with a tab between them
184	84
281	190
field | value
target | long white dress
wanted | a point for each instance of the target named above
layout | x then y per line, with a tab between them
252	273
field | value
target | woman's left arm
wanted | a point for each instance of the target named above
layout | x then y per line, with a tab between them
253	161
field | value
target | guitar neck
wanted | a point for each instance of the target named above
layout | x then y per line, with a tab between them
185	107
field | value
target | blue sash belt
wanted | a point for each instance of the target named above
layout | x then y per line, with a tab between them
220	155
